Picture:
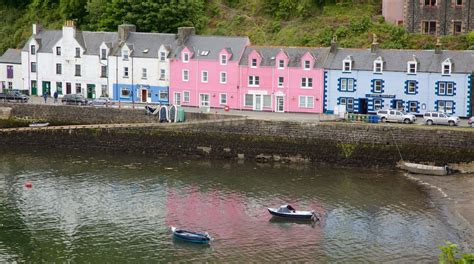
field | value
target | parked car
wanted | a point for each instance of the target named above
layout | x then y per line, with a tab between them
14	96
470	121
390	115
101	101
438	118
77	99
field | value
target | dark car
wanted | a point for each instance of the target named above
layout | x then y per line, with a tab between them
77	99
14	96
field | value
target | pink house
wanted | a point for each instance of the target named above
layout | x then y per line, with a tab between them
205	71
282	79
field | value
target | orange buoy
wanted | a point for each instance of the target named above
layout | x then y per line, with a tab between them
28	185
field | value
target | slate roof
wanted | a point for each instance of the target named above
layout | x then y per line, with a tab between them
47	39
140	42
214	44
294	54
12	56
396	60
93	40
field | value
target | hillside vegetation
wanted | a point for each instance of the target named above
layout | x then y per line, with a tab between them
266	22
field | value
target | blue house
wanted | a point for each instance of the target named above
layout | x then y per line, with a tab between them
415	81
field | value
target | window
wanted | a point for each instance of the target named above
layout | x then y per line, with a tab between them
204	76
144	73
446	68
59	68
33	67
103	71
223	78
411	68
248	100
411	87
378	104
430	2
125	72
223	59
281	81
78	52
223	99
306	82
185	75
254	63
163	95
125	54
177	98
349	102
378	66
103	54
162	56
10	85
33	50
254	80
307	64
124	92
77	70
347	65
347	85
59	87
186	96
281	64
9	71
377	86
78	88
267	101
185	57
413	107
429	27
459	2
446	88
58	51
446	106
204	100
162	74
457	27
306	101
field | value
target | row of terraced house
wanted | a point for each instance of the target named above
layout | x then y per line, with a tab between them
218	71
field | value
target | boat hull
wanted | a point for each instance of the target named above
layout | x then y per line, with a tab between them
298	215
423	169
189	236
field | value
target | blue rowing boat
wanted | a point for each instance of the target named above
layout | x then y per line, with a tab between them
193	237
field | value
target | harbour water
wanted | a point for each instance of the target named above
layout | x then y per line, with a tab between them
100	208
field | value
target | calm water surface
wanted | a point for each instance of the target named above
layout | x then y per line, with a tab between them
104	208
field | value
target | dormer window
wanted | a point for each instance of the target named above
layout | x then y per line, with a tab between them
33	50
347	65
378	65
125	54
103	54
446	67
78	52
254	63
223	59
162	56
281	64
307	64
58	51
186	57
412	67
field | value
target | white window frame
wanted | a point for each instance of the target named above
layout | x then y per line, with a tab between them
254	81
162	56
162	74
186	57
443	70
58	50
306	82
449	88
409	67
380	86
281	64
223	59
378	106
247	97
306	101
186	96
281	81
208	104
378	66
125	72
411	86
307	65
252	65
223	99
204	76
78	52
185	75
103	54
177	98
125	54
412	105
347	63
77	70
33	50
223	77
144	73
60	68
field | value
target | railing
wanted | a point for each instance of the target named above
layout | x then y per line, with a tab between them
362	118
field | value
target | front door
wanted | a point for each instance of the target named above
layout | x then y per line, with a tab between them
47	88
363	106
91	91
144	95
68	88
34	88
280	103
258	102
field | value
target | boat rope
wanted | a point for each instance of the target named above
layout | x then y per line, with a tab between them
398	149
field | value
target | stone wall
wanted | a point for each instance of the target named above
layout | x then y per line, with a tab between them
78	115
344	144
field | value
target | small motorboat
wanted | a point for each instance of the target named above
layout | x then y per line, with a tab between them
289	212
194	237
38	124
424	169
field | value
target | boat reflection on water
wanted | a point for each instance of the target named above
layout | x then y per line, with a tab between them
286	222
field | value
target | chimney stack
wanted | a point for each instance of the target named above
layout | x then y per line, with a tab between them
374	47
438	46
183	34
69	29
333	44
125	30
36	29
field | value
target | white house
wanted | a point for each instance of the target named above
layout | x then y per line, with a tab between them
10	70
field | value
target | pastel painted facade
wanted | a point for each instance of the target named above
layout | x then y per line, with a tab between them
415	81
393	11
67	61
282	79
10	71
205	71
140	66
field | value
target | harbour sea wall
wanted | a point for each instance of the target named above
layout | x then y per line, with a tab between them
266	141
